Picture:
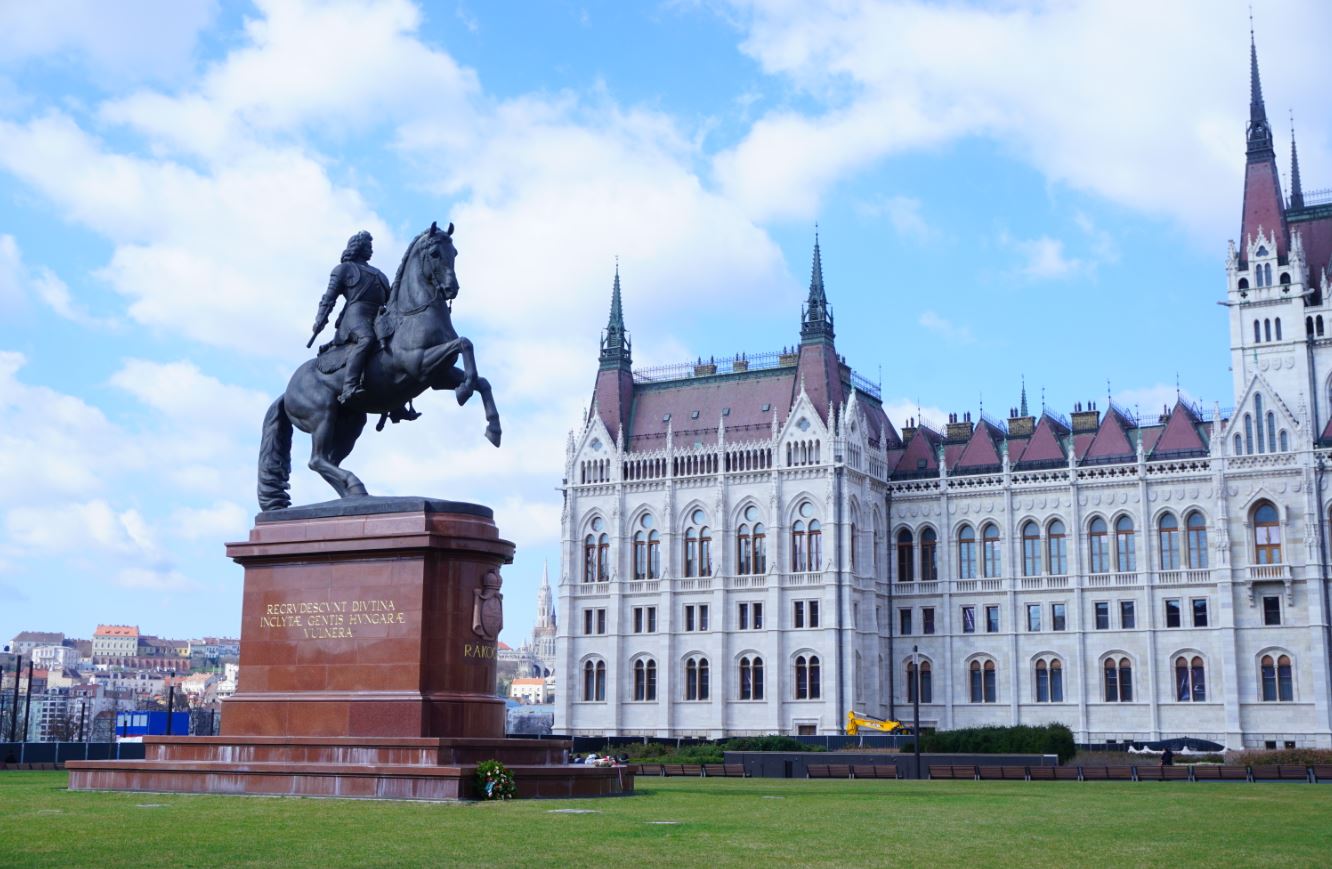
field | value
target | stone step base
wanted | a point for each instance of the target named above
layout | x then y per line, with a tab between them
414	751
347	781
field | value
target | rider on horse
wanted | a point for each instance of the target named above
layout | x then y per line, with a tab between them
367	290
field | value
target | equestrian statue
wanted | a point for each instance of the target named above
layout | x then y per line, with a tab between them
391	343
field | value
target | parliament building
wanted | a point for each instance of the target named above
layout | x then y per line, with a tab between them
751	546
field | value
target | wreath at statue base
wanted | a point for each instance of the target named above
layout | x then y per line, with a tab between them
494	781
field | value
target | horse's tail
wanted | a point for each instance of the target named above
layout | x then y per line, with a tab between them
275	459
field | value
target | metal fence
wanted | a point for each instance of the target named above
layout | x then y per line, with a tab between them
59	752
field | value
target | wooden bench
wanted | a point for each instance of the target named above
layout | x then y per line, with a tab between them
1004	773
1278	772
954	772
1215	772
1321	772
650	769
875	770
1164	773
827	770
691	769
1108	773
724	770
1053	773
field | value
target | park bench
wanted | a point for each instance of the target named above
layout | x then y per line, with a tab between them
875	770
724	770
691	769
1164	773
827	770
1052	773
1214	772
672	769
1321	772
950	771
1006	773
1108	773
650	769
1278	772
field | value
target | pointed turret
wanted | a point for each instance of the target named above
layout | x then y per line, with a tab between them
1023	406
545	617
1296	191
614	392
1264	206
820	368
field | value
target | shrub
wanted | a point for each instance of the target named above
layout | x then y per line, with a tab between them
1022	739
769	743
1292	756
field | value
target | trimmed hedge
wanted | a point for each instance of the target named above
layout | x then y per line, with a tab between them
710	752
1022	739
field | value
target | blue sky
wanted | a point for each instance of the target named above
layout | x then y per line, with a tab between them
1003	190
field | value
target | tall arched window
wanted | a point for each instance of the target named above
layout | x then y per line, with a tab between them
1125	552
1267	330
590	558
1098	547
1168	541
1118	680
594	681
922	682
751	678
698	546
799	553
1285	441
1271	432
966	552
1278	681
744	550
1257	335
1197	531
1057	544
696	678
1278	328
983	682
596	553
929	555
645	679
654	554
1258	415
1031	549
1190	680
807	678
1266	534
815	545
1049	680
1239	447
1248	434
760	562
906	571
990	558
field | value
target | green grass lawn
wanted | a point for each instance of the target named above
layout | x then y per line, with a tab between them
714	822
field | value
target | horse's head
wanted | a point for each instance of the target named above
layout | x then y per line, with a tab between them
437	255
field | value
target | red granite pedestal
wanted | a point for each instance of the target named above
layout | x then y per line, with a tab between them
367	667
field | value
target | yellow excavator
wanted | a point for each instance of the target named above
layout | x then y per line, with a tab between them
856	723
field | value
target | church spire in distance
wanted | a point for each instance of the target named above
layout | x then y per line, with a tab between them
1259	133
816	322
615	344
1296	191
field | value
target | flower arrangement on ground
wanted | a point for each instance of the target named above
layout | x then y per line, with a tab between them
495	781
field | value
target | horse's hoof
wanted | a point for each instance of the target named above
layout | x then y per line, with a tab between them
493	434
463	392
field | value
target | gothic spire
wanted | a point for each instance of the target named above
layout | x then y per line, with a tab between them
1023	407
1296	192
816	319
1259	134
615	344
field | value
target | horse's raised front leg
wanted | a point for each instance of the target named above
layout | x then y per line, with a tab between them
437	360
328	446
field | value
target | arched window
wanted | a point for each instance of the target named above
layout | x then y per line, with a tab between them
1285	279
1258	414
596	553
1031	549
905	557
929	555
603	558
654	554
698	546
799	554
815	545
1266	534
1285	441
983	682
1308	326
1125	553
1049	680
1118	680
1190	680
744	550
696	678
922	682
645	679
1197	529
640	555
966	552
1318	325
990	559
1098	547
1257	335
1248	434
594	681
1278	682
1267	330
1239	447
1267	274
751	678
1278	326
807	680
691	552
590	558
1168	541
1057	544
1271	432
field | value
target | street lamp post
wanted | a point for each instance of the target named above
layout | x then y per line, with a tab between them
915	705
171	699
13	718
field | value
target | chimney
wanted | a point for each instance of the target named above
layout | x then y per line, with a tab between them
959	428
909	430
1020	426
1086	420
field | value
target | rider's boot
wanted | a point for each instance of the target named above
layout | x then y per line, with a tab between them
351	387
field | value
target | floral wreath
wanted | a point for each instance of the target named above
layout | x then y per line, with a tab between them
495	781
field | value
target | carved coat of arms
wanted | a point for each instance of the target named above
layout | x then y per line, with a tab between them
488	608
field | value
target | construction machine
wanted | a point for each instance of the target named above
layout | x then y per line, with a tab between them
856	722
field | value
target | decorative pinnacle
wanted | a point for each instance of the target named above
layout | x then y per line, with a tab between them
816	294
615	345
816	320
1296	191
1023	405
1259	134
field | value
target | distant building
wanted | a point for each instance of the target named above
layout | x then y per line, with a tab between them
25	641
536	656
115	645
55	657
529	690
227	686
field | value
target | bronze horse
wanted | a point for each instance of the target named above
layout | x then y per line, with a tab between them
419	353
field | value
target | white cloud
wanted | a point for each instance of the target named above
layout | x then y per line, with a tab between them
1148	401
1044	258
86	527
219	521
18	282
899	410
148	579
1049	81
946	329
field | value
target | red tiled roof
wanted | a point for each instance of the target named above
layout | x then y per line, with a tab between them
919	454
1045	444
116	631
1317	238
982	449
1111	440
821	375
1262	207
745	395
1180	433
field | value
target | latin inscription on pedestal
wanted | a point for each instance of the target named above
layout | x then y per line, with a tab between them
328	619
